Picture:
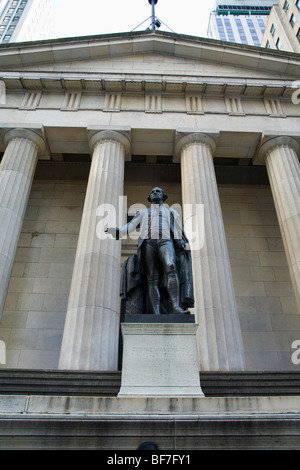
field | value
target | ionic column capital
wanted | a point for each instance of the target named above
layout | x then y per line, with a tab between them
191	139
112	136
21	133
275	142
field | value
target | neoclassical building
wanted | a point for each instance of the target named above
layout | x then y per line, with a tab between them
96	122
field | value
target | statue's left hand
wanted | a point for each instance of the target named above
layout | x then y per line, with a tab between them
181	245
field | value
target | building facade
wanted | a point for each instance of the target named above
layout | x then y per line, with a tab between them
85	123
242	22
25	20
283	27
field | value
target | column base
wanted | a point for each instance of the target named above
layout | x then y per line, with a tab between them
160	360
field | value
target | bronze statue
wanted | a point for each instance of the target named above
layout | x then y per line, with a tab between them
158	279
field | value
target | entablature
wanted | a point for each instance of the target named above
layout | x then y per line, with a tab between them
147	83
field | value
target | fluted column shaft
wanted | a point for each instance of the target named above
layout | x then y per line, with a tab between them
283	169
219	335
16	175
90	340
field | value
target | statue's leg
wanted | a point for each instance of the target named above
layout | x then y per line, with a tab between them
167	257
150	263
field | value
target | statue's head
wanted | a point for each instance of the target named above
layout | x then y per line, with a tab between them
157	193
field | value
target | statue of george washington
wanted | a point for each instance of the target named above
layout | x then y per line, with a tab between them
158	279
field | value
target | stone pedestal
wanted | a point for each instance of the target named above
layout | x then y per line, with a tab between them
160	360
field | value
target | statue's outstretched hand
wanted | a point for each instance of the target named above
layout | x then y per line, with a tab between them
114	231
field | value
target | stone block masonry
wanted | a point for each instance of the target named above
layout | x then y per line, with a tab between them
35	309
266	301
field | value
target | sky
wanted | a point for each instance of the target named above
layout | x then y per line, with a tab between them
92	17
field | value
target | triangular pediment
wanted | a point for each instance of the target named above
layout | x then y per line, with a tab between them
124	47
149	56
150	63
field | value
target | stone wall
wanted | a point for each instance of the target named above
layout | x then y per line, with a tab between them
34	315
267	307
33	320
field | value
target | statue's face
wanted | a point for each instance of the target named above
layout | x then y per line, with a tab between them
157	195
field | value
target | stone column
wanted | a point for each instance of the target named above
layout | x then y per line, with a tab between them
90	340
16	174
219	335
280	157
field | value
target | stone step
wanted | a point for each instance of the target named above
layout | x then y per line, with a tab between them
250	383
49	382
83	383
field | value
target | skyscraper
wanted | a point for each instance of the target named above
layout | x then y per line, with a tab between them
241	21
283	27
25	20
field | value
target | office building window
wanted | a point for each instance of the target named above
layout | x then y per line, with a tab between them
241	31
292	20
278	44
261	24
253	33
229	30
268	45
272	30
286	5
221	29
298	4
298	35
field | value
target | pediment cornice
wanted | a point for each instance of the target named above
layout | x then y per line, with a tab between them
18	55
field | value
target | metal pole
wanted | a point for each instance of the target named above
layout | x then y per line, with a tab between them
153	14
153	3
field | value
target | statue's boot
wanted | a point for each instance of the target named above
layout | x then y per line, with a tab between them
154	296
173	291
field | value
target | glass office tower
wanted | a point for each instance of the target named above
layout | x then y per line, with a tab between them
241	21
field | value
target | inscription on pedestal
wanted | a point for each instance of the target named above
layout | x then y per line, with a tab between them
160	359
